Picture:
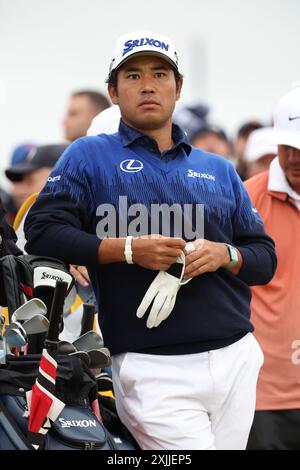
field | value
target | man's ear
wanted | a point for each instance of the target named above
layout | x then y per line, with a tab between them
179	87
112	91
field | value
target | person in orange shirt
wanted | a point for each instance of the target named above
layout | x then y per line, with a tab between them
275	307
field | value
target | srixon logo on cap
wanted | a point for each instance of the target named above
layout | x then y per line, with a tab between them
129	45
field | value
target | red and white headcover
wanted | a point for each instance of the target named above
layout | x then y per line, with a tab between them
43	405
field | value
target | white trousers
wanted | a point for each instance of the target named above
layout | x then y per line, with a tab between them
202	401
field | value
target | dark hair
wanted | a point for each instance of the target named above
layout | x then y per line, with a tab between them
99	100
112	78
246	129
209	129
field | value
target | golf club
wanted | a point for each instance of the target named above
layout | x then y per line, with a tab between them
64	347
15	338
88	341
99	359
37	324
104	382
2	353
56	312
87	320
30	309
83	355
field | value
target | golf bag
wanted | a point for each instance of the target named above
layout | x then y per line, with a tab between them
77	427
11	437
27	276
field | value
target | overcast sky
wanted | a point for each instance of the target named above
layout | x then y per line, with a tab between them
238	56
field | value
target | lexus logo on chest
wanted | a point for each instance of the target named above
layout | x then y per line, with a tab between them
131	166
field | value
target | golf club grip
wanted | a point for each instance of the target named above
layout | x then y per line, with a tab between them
56	311
87	321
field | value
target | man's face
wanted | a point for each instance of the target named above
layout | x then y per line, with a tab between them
31	183
78	118
210	142
146	92
260	165
289	159
240	145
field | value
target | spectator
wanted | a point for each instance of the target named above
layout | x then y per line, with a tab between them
11	201
212	139
30	175
106	122
20	153
259	152
191	118
83	107
240	144
34	170
275	307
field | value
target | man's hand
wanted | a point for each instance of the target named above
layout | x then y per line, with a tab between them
208	257
80	275
150	251
156	252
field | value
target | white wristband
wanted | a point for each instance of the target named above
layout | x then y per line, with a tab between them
128	250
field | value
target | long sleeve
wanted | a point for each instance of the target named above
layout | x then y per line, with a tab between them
59	222
249	236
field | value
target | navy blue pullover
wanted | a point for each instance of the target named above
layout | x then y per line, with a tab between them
213	310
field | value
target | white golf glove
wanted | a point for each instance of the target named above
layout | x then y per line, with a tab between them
163	291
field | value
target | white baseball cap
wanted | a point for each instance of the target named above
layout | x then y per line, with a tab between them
258	144
143	42
106	122
287	120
